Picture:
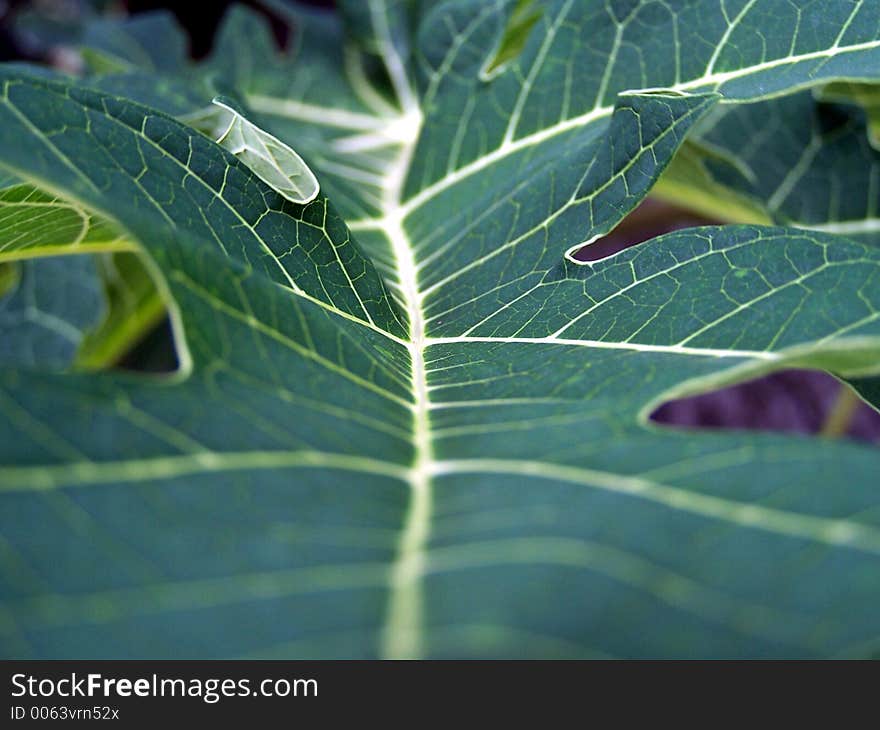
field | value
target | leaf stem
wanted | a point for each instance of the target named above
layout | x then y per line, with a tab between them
840	418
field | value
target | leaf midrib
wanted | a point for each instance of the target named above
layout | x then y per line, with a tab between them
402	634
402	631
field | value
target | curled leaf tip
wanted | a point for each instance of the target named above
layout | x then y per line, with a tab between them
270	159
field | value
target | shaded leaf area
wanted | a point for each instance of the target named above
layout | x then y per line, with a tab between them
405	414
864	95
795	401
155	353
135	309
48	311
793	160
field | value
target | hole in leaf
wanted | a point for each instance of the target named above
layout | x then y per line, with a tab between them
136	333
788	401
155	353
649	219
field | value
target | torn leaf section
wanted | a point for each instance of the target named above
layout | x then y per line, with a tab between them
689	182
864	95
274	162
653	217
788	401
135	308
522	20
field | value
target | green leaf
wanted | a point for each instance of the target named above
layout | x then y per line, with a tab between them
791	161
48	311
522	19
34	223
9	275
135	307
419	427
795	160
151	41
146	58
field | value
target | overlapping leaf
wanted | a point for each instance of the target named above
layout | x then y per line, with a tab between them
447	453
791	161
35	225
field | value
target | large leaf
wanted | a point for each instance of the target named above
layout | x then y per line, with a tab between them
448	453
